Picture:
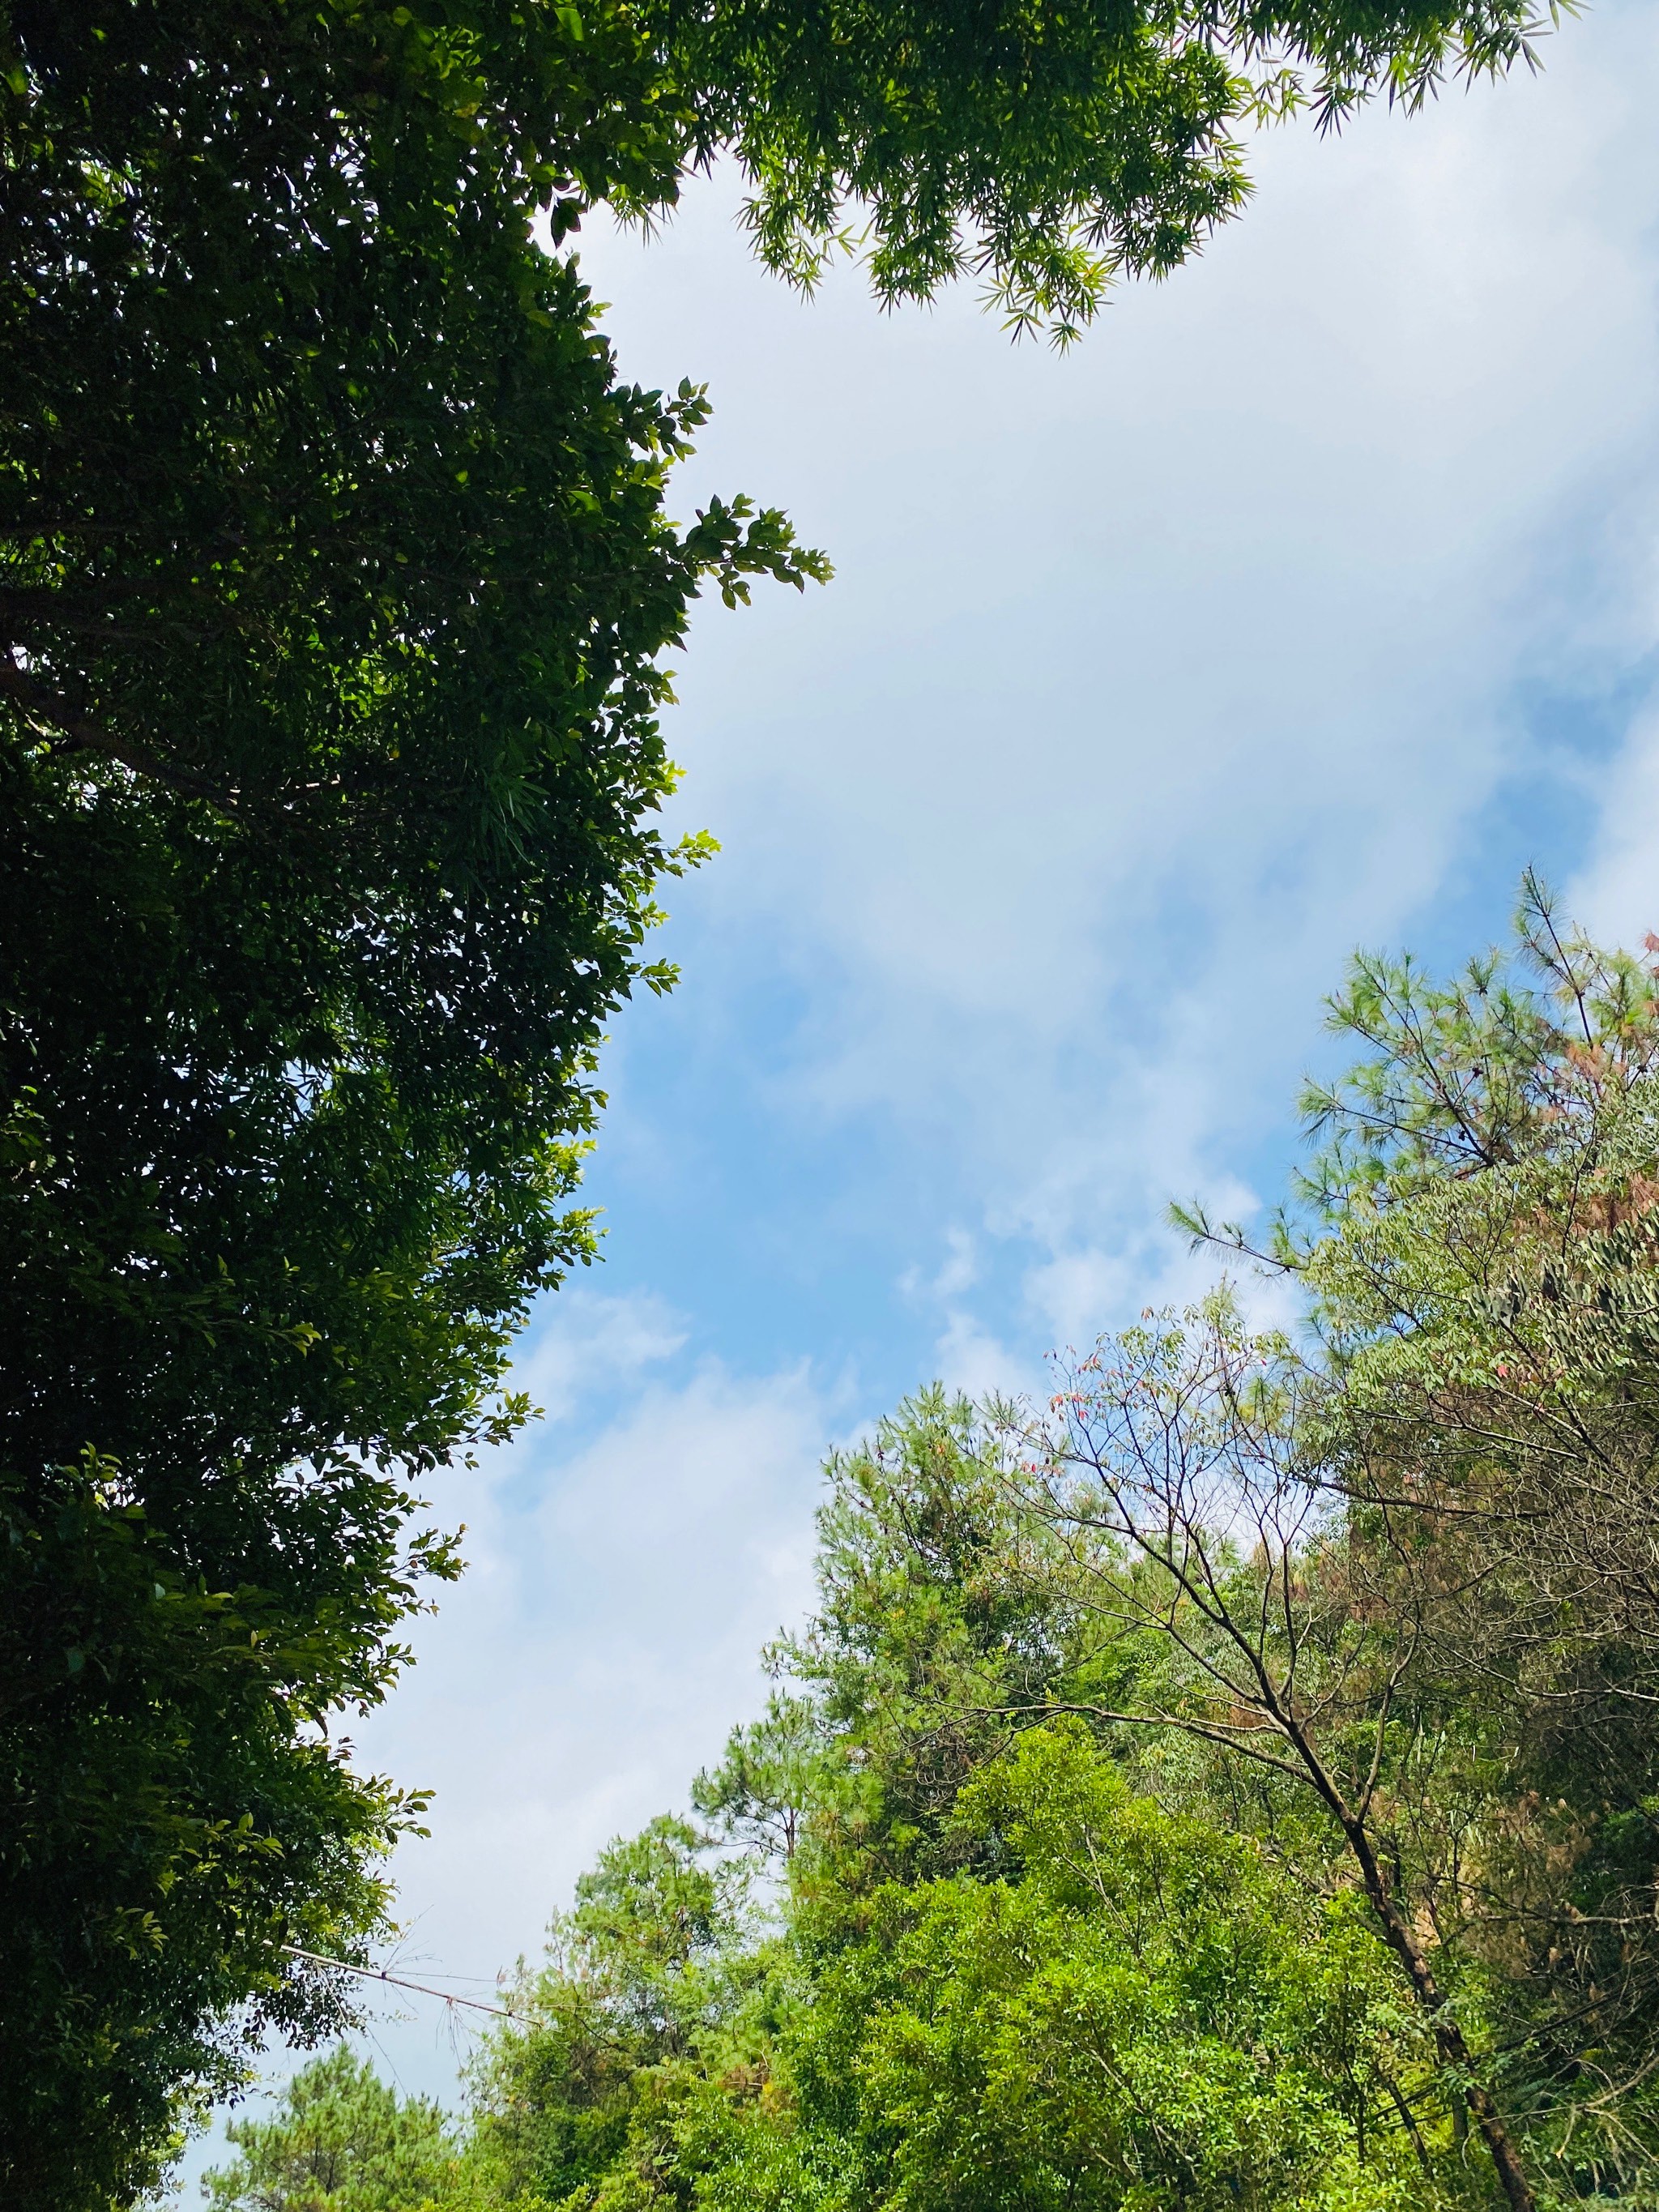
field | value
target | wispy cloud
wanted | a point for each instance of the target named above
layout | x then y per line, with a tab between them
1155	677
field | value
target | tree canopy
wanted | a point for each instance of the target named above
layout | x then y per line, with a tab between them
337	579
340	2141
1049	150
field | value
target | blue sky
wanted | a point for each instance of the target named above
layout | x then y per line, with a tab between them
1299	607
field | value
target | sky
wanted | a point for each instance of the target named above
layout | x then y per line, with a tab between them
1298	607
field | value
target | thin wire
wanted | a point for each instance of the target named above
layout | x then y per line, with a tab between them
379	1974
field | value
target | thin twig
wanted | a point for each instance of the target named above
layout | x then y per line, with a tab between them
379	1974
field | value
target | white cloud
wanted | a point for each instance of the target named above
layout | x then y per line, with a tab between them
1155	676
959	1271
969	1357
594	1339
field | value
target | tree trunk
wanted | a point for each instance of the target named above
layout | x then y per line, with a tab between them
1448	2036
1397	1932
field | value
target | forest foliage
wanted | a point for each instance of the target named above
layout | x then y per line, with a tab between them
1231	1782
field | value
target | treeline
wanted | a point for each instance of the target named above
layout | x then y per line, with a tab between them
1232	1784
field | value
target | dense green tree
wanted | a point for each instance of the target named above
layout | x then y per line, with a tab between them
1488	1292
1261	1634
1108	2002
771	1775
1133	2010
1412	1576
336	576
938	1607
576	2096
340	2141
